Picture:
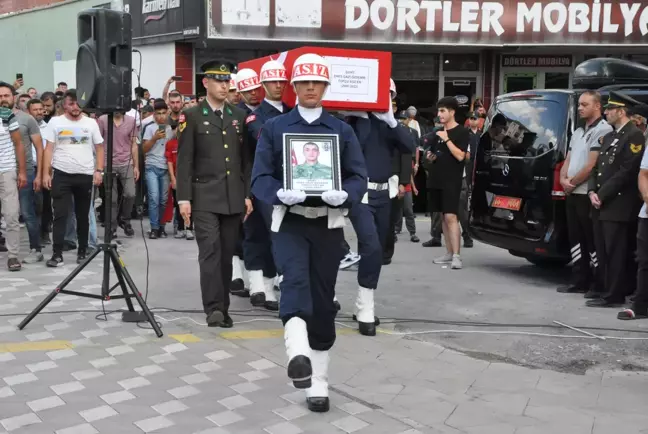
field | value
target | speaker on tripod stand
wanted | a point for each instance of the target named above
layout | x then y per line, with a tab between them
104	83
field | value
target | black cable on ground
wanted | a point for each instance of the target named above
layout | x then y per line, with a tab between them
254	313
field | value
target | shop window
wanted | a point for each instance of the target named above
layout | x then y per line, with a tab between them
557	80
461	62
415	66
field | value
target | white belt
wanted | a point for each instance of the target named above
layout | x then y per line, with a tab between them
378	187
309	212
335	215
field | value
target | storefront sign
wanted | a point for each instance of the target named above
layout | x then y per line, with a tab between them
503	22
514	60
154	10
164	20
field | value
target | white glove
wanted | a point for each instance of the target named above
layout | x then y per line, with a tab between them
335	197
387	117
291	197
364	115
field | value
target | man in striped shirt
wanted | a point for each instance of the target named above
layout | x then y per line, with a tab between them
11	180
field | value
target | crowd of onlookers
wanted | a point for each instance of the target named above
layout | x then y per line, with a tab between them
52	170
64	162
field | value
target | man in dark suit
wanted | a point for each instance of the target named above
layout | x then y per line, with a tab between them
615	199
213	185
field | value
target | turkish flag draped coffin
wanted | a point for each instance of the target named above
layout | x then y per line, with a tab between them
359	78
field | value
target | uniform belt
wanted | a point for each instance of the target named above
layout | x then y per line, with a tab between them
378	186
309	212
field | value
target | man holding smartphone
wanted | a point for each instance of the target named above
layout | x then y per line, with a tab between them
447	154
155	168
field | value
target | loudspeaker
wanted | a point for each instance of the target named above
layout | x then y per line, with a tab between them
104	60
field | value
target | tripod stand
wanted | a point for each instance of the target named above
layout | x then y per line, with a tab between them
124	281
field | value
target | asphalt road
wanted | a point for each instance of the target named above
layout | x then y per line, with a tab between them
493	287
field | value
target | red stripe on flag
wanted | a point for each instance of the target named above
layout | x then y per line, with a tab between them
293	158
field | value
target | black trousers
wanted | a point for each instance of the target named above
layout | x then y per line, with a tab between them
216	235
615	251
640	304
390	242
309	255
581	243
179	219
46	214
66	186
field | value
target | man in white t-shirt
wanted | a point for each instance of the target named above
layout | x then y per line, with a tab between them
11	150
71	141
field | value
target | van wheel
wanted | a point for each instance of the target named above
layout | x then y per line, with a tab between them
547	262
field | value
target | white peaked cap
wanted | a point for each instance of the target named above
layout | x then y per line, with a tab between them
247	79
311	67
233	82
273	70
392	88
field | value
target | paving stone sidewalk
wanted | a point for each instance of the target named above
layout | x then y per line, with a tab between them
72	373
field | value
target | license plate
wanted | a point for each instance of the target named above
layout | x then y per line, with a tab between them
503	202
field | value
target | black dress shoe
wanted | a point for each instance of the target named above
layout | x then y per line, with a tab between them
300	372
271	305
227	322
258	299
376	320
570	289
338	307
367	328
237	287
591	294
387	261
432	243
601	302
215	318
318	404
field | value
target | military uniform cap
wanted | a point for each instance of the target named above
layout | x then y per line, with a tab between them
220	70
621	100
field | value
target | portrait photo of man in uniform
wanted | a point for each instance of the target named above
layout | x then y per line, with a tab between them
311	168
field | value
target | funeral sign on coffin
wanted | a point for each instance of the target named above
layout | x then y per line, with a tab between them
359	78
476	23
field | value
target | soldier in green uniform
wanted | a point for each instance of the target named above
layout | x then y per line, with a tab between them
213	185
615	199
312	168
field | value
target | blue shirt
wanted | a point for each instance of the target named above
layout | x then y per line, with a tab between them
268	170
378	142
258	118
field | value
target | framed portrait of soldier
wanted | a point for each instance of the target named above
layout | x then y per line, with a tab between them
312	163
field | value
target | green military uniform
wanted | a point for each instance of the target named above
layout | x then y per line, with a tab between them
214	168
614	180
312	171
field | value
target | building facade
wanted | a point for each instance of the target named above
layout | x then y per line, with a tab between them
462	48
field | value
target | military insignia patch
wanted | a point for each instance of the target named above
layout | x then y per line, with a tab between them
636	148
249	119
235	122
205	111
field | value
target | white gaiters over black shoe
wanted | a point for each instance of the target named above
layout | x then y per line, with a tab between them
271	302
257	288
317	396
299	353
365	312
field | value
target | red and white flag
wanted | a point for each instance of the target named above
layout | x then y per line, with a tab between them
293	158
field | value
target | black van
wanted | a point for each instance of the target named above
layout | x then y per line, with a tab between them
517	201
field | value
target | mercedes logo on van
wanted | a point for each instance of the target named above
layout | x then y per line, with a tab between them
506	169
